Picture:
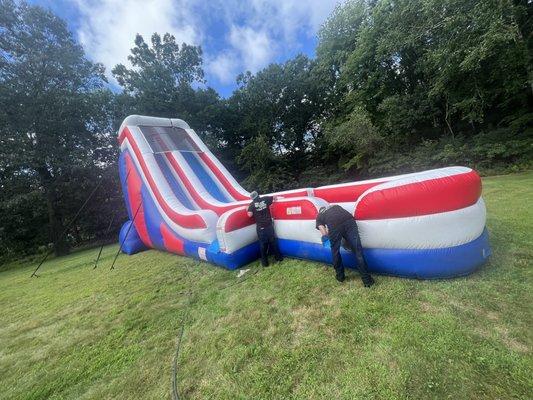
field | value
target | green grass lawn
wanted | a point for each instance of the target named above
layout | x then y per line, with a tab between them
288	332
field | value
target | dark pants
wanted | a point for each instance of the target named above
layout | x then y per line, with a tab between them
348	231
268	241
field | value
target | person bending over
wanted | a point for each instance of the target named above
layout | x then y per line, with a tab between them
335	224
259	209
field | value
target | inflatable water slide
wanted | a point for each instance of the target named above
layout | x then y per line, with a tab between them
181	199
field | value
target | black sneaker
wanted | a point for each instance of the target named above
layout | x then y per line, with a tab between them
367	282
340	278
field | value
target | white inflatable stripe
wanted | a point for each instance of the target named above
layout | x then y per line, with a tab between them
234	240
292	191
431	231
140	140
181	184
303	230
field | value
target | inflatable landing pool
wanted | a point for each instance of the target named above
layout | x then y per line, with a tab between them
181	199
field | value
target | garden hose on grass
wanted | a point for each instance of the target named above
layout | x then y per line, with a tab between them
174	381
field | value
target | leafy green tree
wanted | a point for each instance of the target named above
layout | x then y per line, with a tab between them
355	139
266	171
51	98
423	70
160	83
282	105
159	73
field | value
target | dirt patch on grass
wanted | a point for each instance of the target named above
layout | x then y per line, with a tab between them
302	318
310	320
510	342
465	307
504	336
429	308
492	324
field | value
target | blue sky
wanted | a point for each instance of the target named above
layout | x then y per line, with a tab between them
235	35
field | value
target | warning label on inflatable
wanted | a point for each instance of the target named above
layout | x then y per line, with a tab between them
294	210
201	253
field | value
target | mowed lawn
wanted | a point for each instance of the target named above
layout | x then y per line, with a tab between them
287	332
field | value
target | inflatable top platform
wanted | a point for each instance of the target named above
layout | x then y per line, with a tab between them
181	199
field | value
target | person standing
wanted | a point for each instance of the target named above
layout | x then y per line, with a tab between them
335	224
259	209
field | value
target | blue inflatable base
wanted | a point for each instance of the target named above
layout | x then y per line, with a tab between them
132	243
212	254
408	263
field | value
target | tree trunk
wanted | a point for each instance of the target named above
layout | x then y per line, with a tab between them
61	246
447	118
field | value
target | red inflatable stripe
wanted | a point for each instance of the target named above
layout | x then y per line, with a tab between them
286	210
191	189
348	193
187	221
171	242
135	198
237	220
292	210
222	178
421	198
122	136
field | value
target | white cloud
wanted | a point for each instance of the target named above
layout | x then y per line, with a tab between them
282	18
108	27
292	16
224	67
262	30
255	48
256	32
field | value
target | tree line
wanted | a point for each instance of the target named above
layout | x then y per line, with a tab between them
396	86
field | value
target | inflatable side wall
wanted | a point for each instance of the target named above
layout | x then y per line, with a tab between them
181	199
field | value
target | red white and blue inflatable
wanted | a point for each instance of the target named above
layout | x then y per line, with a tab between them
181	199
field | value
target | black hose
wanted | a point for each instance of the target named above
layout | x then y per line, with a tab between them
174	381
